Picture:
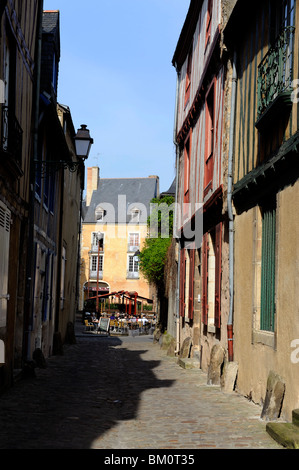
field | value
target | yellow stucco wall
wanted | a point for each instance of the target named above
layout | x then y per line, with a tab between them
255	357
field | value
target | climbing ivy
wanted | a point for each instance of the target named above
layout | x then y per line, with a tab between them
160	231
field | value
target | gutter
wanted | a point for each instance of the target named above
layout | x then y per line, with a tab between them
230	322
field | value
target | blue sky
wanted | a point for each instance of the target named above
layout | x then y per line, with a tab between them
117	77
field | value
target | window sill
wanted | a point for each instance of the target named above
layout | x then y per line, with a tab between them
264	337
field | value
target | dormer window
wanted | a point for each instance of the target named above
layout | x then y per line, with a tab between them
100	214
135	216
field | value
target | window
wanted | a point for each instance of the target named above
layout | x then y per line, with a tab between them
5	216
134	242
47	300
51	197
188	75
209	21
187	156
94	264
100	213
267	319
11	131
133	267
288	13
211	278
97	241
62	280
135	216
209	140
46	189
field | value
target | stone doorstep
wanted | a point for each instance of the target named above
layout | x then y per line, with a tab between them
188	363
286	434
295	416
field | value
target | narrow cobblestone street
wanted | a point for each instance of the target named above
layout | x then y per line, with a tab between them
125	393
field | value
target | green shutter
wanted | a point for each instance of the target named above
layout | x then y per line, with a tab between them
268	269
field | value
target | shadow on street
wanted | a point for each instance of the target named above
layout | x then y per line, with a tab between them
78	397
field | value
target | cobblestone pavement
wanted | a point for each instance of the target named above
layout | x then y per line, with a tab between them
125	393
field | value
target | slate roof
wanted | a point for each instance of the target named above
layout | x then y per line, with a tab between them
171	191
50	21
51	27
134	192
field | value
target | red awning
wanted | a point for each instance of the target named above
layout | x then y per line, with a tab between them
125	294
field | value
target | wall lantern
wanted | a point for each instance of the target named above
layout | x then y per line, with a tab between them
83	142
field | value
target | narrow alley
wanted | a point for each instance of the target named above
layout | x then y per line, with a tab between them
125	393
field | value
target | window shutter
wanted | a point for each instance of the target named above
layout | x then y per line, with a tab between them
182	283
191	284
218	275
5	216
268	268
205	279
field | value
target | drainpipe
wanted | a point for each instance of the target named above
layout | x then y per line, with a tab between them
176	219
230	332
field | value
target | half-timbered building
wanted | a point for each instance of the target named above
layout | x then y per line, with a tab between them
201	187
266	196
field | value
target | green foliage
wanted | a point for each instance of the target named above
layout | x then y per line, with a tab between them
154	252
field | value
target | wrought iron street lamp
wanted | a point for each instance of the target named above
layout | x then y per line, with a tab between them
83	142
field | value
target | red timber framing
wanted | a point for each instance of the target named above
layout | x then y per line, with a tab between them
187	157
204	274
182	282
209	21
206	250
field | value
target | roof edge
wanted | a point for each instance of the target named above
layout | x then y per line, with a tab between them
187	32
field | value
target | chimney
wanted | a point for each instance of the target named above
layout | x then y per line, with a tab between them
158	184
92	183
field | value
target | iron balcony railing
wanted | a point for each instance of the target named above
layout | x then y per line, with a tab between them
11	134
275	72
